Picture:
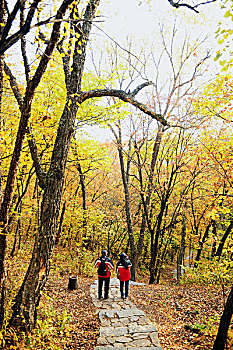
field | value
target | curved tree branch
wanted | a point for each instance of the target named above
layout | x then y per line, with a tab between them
178	4
124	96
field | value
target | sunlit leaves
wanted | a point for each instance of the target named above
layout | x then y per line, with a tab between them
216	99
224	35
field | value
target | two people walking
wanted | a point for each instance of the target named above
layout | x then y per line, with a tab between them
105	265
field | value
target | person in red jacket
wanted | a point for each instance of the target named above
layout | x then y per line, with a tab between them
104	265
123	273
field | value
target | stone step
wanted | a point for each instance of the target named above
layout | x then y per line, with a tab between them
123	326
128	348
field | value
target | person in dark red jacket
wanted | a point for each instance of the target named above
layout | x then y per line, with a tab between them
123	273
104	265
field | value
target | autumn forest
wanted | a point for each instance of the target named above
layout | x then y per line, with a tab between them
157	184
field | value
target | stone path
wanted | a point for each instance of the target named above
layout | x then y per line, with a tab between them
123	326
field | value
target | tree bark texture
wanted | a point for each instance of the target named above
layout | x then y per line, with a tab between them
25	308
83	189
3	247
28	297
201	244
155	233
224	324
223	240
3	236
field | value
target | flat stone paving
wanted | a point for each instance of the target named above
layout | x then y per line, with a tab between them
123	326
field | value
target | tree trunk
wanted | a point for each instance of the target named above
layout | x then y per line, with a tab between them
225	320
223	240
28	297
25	109
125	180
149	190
3	236
61	222
155	241
83	189
182	248
201	244
214	234
3	247
27	300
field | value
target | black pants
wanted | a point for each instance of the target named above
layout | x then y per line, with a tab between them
102	280
126	283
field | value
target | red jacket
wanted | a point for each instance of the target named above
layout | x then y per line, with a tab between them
122	273
109	266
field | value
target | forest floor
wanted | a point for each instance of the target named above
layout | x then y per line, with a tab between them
186	316
67	319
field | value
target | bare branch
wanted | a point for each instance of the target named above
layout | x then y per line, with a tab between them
191	7
5	42
140	87
41	175
11	17
23	44
14	85
126	97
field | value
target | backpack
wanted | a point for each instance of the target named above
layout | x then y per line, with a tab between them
102	269
126	262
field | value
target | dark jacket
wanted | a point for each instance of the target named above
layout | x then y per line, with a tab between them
108	263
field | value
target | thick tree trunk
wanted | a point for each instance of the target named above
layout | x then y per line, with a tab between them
153	258
221	338
27	300
3	236
3	247
28	297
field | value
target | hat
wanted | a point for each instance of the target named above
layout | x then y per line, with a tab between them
104	252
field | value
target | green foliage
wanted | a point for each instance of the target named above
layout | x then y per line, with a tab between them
51	330
75	261
209	272
208	326
85	263
224	35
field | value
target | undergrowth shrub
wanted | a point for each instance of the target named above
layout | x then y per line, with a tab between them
74	262
209	272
